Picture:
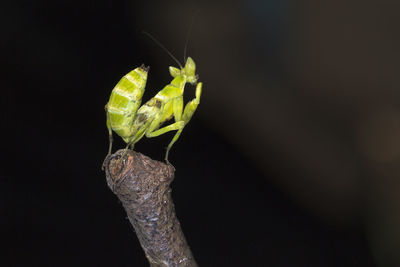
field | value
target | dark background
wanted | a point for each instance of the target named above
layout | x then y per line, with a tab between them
290	160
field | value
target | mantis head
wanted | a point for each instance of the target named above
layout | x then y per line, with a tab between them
189	71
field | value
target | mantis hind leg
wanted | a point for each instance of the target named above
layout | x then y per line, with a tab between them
126	150
110	138
134	138
110	135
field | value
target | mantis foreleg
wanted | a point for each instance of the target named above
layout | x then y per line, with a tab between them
190	108
181	119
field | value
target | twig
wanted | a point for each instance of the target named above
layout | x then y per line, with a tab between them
142	185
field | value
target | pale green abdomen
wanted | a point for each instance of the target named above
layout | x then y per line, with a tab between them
125	100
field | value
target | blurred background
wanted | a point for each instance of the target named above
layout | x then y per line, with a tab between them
292	158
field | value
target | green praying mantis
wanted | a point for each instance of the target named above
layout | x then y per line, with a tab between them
131	121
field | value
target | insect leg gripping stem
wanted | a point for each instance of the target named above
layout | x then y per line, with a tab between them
110	135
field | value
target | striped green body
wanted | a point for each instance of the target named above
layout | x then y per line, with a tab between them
124	102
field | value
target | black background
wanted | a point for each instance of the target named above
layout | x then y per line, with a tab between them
59	63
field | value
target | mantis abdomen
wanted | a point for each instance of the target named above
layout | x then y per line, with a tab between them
124	102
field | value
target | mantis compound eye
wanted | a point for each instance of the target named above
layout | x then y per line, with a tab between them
190	71
174	71
190	67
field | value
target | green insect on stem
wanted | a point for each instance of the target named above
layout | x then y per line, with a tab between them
131	121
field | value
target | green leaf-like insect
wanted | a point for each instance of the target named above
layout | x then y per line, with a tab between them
131	121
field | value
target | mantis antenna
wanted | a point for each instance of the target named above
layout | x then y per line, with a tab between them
163	47
188	34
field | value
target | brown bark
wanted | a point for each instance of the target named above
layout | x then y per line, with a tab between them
142	185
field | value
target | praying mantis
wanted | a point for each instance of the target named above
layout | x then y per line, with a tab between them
131	121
